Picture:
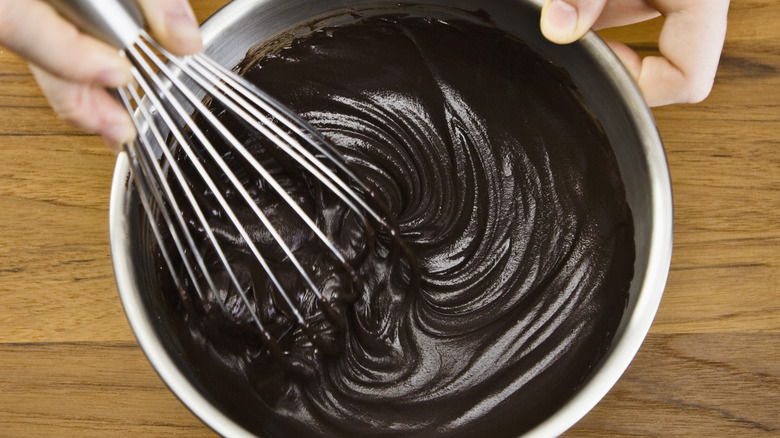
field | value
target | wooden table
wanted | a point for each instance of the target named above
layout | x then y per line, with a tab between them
69	365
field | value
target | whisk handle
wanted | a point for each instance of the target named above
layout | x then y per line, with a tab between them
116	22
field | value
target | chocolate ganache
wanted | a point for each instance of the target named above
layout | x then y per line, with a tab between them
506	194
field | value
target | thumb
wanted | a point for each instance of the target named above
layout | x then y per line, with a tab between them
173	24
566	21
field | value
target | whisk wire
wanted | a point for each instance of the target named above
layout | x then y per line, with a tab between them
142	185
196	102
144	164
147	161
148	157
247	109
230	84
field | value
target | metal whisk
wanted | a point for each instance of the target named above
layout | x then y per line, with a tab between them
167	91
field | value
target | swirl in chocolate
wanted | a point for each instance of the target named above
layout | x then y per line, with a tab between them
507	194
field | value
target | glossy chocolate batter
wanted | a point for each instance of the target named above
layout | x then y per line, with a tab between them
506	193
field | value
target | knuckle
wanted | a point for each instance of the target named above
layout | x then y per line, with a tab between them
70	106
698	89
71	38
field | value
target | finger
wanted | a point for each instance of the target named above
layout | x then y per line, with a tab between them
173	25
624	12
35	31
88	107
690	45
565	21
628	57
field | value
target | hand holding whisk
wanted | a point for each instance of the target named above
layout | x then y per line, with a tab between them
174	104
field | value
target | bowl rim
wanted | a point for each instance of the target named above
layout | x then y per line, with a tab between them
622	352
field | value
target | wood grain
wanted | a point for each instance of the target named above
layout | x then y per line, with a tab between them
69	365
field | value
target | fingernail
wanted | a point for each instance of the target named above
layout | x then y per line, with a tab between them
561	18
113	78
117	134
182	24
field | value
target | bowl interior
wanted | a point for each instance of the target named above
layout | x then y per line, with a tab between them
608	91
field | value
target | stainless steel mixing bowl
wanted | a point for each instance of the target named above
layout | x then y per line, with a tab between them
607	89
